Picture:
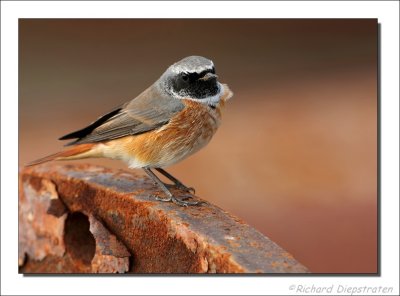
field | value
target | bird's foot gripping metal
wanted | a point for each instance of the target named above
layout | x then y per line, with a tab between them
170	197
179	201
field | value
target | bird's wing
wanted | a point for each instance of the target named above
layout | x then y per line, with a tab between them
147	112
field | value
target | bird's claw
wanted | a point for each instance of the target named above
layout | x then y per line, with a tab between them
181	202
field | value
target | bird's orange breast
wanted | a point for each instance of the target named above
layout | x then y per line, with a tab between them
186	133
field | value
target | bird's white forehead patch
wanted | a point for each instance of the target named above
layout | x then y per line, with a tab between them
181	68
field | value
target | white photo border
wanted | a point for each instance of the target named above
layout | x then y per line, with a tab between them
13	283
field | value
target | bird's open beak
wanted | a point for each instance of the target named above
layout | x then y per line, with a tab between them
208	76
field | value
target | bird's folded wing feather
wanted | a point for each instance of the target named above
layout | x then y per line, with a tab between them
147	112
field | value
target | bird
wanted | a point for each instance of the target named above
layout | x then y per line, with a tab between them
169	121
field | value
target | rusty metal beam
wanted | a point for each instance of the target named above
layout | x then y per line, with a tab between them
83	218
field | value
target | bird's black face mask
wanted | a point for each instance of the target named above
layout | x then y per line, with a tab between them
195	85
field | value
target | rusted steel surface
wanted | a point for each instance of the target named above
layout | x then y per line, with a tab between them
53	240
83	218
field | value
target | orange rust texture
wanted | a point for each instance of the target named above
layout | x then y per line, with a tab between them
107	221
55	240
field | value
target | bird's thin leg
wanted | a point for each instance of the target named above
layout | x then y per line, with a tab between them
177	183
170	196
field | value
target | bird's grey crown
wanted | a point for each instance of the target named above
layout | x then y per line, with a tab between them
192	64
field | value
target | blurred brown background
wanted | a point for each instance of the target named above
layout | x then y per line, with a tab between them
296	155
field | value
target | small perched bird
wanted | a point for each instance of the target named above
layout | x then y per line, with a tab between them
169	121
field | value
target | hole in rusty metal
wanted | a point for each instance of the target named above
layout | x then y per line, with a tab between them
56	208
79	241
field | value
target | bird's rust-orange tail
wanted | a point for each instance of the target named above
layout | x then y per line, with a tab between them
75	152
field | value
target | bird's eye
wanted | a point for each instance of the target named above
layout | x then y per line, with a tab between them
185	77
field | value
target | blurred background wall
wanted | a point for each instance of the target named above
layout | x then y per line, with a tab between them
296	155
